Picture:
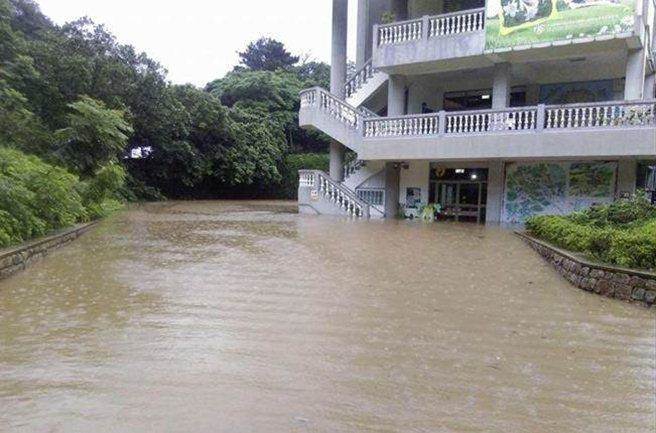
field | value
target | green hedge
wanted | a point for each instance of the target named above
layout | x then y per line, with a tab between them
623	233
298	161
37	198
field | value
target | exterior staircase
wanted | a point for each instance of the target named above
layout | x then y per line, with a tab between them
343	121
363	84
318	194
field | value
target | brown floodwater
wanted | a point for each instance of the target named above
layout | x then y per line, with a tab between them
246	317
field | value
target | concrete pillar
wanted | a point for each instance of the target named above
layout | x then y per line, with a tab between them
391	189
363	32
635	75
396	96
650	87
627	171
495	188
338	57
338	79
501	86
336	161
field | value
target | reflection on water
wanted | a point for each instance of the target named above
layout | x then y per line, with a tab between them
246	317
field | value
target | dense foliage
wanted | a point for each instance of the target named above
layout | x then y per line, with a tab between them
621	233
36	197
99	113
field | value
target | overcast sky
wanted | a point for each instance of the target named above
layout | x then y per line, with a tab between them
197	40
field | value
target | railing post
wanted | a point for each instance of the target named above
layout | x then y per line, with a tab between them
441	123
425	22
376	38
541	117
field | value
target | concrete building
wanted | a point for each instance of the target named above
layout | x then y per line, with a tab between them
496	111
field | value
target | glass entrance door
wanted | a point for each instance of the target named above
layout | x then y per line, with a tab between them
462	193
462	201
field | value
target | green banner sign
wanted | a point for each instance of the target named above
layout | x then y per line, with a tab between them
512	23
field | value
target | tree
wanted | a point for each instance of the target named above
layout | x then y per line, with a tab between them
267	54
257	150
95	136
276	95
19	127
314	74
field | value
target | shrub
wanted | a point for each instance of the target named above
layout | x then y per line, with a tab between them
622	233
36	197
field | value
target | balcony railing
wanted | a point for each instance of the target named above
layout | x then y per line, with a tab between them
458	22
461	22
622	114
359	79
334	107
402	126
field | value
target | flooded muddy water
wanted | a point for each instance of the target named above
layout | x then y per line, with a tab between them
246	317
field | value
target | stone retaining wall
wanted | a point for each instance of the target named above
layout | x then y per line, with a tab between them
18	258
605	280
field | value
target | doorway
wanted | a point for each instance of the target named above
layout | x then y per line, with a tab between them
461	193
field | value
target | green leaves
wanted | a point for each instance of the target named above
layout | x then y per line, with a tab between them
95	136
266	54
622	233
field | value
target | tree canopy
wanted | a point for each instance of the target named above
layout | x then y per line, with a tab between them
77	98
267	54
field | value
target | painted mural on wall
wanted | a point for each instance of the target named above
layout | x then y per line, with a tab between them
556	188
511	23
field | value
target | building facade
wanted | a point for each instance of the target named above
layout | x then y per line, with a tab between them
494	109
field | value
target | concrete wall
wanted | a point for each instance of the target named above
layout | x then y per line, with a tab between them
18	258
416	175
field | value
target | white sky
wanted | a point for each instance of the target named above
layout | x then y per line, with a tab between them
197	40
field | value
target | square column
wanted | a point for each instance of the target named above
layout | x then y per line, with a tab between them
501	86
338	52
338	79
396	96
362	54
391	189
627	173
635	75
495	189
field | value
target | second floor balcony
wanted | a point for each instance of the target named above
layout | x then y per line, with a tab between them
602	129
446	36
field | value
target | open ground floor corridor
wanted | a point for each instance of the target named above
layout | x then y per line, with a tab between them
248	317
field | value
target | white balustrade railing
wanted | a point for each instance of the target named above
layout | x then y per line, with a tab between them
612	114
455	23
599	115
373	196
336	193
511	119
471	20
306	178
334	107
359	79
402	126
399	32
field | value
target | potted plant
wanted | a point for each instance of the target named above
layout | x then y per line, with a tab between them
429	211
